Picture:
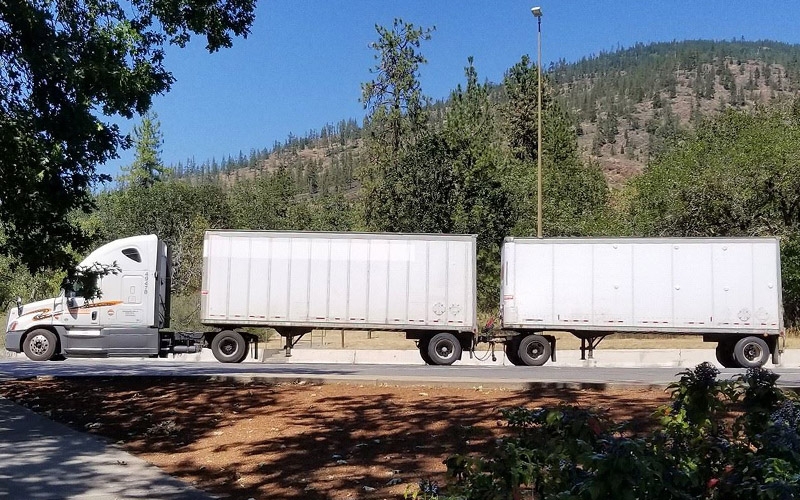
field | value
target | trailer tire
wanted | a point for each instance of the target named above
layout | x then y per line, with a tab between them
534	350
751	352
229	346
40	345
423	350
444	349
511	348
725	356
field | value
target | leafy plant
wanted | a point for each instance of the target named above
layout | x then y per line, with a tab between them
700	450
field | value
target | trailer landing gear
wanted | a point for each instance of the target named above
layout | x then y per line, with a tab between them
589	344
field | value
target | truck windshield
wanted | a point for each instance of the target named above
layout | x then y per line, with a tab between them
72	288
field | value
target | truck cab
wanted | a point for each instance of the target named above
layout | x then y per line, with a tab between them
123	320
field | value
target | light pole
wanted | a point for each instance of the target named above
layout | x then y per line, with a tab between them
537	12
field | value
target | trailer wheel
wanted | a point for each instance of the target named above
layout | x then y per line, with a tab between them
751	352
229	346
534	350
444	349
423	350
511	349
725	355
40	345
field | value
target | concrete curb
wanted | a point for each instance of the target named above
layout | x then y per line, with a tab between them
610	358
621	358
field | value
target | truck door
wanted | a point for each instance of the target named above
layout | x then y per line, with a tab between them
82	322
77	312
132	331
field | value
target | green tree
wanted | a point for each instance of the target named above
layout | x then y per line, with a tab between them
147	167
574	195
176	211
396	118
266	202
64	67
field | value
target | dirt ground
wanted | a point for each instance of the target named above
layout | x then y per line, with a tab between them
334	441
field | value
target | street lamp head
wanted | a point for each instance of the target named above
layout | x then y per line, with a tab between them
536	11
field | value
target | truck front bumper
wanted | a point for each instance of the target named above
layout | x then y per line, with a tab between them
14	341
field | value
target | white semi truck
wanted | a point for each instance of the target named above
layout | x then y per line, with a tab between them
727	290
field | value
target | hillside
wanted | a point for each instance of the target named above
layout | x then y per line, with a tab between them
626	105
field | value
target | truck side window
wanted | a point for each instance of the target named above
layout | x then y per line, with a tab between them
132	254
72	289
67	287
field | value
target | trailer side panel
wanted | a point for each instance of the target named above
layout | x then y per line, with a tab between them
339	280
686	285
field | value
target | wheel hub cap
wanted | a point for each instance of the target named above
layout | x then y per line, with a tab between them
39	345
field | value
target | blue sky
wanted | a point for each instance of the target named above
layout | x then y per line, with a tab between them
304	61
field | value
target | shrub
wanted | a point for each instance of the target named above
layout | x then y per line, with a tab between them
701	448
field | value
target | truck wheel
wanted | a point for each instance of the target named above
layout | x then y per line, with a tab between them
751	352
511	349
534	350
725	355
423	351
229	347
444	349
40	345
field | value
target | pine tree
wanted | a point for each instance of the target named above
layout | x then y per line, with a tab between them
147	167
397	119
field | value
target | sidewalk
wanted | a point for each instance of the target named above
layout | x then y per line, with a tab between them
40	459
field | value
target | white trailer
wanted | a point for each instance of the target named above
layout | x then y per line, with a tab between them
726	289
295	282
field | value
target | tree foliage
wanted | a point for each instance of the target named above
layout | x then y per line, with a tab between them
739	175
394	98
63	65
574	195
397	118
703	447
176	211
147	167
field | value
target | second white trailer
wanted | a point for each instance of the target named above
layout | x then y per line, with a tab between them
726	289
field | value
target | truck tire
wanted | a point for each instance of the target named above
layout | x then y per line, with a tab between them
229	346
534	350
725	355
40	345
423	350
444	349
751	352
511	348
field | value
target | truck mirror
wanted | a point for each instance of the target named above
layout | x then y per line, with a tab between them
71	301
19	306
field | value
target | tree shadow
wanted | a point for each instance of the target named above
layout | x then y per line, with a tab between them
260	440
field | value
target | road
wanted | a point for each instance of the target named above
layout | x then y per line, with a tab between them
512	377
